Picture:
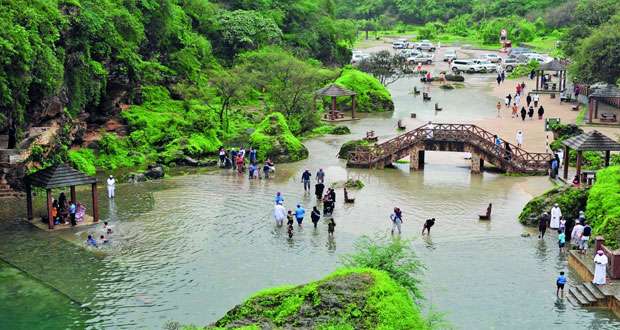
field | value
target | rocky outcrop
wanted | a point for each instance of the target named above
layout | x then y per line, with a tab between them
154	171
273	139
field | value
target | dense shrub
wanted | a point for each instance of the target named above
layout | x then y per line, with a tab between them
273	139
571	200
603	210
372	96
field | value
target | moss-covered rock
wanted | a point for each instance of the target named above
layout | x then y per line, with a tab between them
372	96
273	139
455	77
571	200
341	130
350	298
349	146
603	210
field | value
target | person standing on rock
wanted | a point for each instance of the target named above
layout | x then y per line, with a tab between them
111	186
305	179
543	223
600	268
397	220
556	214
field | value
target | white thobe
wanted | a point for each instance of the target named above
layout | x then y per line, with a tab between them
575	235
556	214
111	183
600	269
520	138
279	213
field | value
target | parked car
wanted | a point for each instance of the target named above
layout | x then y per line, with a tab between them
358	57
510	63
485	66
518	50
421	58
465	66
449	55
409	52
399	44
493	58
426	46
541	58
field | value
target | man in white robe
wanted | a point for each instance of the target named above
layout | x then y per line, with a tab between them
556	214
600	268
111	186
279	213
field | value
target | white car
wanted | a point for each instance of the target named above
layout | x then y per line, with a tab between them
421	58
540	58
485	66
493	58
358	57
399	44
465	66
426	46
449	55
409	52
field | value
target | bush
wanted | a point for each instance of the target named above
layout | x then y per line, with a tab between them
455	77
571	200
341	130
603	210
372	96
83	160
273	139
523	70
349	146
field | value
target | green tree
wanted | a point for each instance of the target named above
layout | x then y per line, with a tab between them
384	66
230	86
598	55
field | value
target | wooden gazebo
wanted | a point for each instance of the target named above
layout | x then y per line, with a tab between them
608	94
544	86
334	91
590	141
59	176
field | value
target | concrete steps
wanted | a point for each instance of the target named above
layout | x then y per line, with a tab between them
584	295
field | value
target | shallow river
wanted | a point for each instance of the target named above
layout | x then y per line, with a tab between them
190	247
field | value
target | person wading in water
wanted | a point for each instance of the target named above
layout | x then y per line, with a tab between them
427	226
305	179
397	220
315	216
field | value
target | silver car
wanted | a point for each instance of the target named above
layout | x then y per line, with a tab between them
449	55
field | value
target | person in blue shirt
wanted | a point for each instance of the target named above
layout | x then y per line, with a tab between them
560	284
561	240
91	241
279	198
300	212
72	210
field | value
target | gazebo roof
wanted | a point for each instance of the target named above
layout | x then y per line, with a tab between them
554	65
592	141
608	91
59	176
335	90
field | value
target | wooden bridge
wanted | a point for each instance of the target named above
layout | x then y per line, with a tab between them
450	137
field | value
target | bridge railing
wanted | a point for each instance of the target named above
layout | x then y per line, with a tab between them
473	134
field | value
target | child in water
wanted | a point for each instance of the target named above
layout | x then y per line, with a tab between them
289	218
331	225
290	230
560	284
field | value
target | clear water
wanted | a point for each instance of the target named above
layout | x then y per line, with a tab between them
191	247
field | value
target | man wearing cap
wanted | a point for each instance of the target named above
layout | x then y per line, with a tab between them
600	268
111	183
556	214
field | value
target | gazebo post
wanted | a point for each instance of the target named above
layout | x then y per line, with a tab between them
607	156
333	105
29	200
353	106
595	109
566	158
50	221
73	196
579	166
95	203
590	109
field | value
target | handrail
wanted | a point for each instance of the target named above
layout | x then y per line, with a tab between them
469	133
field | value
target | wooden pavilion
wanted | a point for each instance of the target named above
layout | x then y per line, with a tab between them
59	176
334	91
544	85
590	141
608	94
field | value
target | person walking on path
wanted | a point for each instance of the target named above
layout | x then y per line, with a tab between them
320	176
560	282
556	214
514	110
279	214
585	237
498	143
530	112
541	112
523	113
305	178
509	97
499	109
503	75
523	87
518	89
111	186
576	235
331	226
315	216
519	138
528	100
300	212
543	223
427	226
499	79
507	102
536	98
561	240
397	220
518	99
600	268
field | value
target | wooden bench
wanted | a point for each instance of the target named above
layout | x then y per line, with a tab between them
608	117
486	216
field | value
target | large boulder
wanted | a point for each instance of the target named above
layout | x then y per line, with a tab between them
273	139
372	96
358	298
154	172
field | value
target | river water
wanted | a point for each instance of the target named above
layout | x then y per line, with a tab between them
190	247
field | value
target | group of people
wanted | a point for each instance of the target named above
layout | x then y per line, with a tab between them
236	160
64	211
104	237
280	214
532	104
579	233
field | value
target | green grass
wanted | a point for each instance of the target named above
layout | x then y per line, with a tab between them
603	208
